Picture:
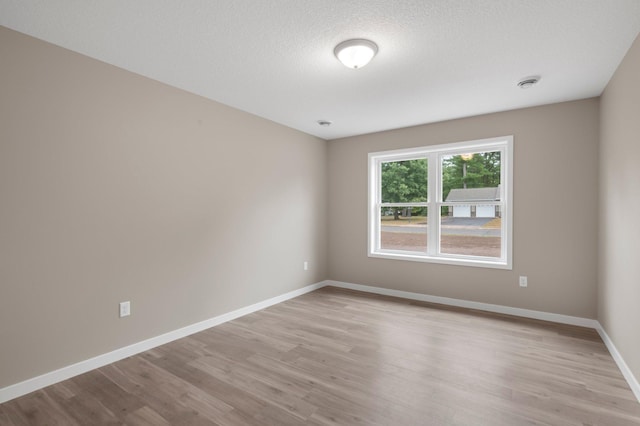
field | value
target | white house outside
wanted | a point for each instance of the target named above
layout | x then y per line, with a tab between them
475	196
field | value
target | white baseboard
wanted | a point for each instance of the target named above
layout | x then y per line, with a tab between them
64	373
624	368
500	309
526	313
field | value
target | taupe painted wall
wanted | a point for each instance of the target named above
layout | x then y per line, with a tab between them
555	211
115	187
619	285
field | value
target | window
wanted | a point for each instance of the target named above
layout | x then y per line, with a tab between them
447	203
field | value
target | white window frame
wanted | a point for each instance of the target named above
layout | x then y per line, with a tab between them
434	154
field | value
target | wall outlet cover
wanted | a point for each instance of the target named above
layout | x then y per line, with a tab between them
125	309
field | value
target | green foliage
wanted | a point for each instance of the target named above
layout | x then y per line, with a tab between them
404	182
483	171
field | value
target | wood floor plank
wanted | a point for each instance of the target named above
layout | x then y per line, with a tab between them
339	357
145	416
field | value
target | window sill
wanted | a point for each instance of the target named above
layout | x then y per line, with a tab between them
419	257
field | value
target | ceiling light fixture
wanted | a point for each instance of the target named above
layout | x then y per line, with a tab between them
528	82
324	123
356	53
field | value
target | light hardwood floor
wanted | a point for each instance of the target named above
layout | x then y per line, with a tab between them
342	357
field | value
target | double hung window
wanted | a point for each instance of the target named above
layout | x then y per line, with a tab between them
448	203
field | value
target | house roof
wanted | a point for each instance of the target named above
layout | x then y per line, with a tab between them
474	194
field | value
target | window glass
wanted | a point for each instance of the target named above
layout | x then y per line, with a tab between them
404	181
468	183
403	228
476	232
470	171
470	222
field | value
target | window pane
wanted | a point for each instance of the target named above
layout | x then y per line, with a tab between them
478	234
403	228
471	177
404	181
467	188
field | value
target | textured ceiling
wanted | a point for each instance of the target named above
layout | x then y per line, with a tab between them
437	59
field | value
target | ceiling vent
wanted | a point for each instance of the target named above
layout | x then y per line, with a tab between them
528	82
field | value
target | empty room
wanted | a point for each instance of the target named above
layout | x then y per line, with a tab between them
415	212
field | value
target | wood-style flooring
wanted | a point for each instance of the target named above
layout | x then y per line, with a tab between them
338	357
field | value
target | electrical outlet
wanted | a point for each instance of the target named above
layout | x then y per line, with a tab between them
305	265
523	281
125	309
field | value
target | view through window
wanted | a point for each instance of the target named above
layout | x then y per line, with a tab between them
466	187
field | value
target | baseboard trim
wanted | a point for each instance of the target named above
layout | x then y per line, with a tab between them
624	368
526	313
30	385
500	309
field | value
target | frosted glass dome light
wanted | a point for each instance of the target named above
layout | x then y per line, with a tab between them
356	53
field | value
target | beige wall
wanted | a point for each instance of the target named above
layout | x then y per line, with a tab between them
619	285
555	211
115	187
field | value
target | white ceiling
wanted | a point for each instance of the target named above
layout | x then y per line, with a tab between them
437	59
